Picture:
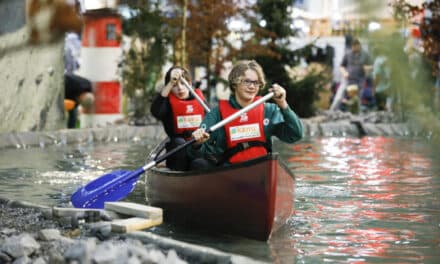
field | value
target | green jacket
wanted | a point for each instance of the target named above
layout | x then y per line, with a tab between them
283	124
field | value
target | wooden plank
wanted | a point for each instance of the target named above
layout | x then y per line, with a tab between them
64	211
134	224
134	209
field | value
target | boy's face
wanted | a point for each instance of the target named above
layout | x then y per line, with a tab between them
352	93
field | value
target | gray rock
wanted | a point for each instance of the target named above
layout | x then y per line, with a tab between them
4	258
21	245
23	260
105	253
80	251
39	260
55	257
100	230
49	234
8	231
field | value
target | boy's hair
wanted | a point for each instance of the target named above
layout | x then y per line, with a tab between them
355	42
352	88
237	73
185	75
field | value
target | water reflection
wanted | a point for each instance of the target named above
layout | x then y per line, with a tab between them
368	200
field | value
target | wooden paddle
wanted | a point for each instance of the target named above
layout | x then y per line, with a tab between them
116	185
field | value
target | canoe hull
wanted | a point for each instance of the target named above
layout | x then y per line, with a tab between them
251	199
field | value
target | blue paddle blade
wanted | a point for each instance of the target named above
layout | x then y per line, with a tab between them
110	187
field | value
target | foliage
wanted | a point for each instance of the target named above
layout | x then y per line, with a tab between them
429	26
206	32
207	44
270	47
142	66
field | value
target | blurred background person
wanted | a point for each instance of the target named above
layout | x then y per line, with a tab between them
77	94
355	66
351	101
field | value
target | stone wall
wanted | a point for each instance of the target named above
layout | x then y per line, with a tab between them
31	77
11	15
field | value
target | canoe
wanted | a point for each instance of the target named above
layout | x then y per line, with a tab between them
251	199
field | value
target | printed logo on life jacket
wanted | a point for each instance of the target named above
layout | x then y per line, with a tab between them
189	121
189	109
266	121
244	118
245	132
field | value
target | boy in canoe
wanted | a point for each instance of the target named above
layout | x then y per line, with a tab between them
248	136
179	112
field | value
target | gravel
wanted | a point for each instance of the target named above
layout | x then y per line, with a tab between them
31	234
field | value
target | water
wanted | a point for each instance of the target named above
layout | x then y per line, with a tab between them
369	200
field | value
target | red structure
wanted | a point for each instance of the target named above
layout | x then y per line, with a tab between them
100	55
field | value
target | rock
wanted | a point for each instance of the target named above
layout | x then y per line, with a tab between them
21	245
4	258
56	257
101	230
8	231
105	253
81	251
49	234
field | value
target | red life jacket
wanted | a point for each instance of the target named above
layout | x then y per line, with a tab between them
187	114
245	138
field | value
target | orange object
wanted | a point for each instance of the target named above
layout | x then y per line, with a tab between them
69	104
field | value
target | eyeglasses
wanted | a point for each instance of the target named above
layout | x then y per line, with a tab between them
248	83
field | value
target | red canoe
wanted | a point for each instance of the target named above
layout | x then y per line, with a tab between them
250	199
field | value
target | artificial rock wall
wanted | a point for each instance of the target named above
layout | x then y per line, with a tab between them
31	77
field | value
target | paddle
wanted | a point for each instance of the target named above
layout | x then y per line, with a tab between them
191	90
118	184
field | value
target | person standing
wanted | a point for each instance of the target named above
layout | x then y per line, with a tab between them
180	113
356	65
77	92
382	82
248	136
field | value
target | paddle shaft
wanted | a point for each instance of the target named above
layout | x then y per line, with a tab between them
191	90
211	129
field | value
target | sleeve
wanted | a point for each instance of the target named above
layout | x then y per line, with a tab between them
376	67
286	125
160	107
344	61
369	60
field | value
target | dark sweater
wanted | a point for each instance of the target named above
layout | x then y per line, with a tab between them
161	109
74	86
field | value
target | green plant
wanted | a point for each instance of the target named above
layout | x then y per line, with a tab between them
148	52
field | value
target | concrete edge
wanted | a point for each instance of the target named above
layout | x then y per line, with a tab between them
72	136
350	128
191	252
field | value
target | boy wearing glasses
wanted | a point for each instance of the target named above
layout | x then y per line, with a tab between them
248	136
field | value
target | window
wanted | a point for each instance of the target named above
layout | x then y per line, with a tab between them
111	31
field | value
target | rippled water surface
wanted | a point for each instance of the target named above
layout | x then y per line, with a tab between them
369	200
